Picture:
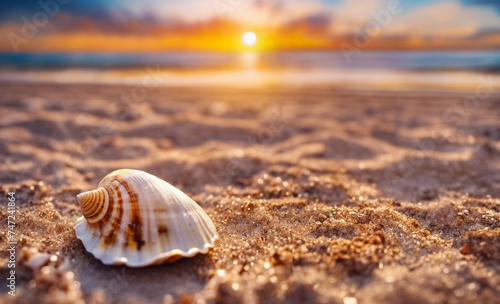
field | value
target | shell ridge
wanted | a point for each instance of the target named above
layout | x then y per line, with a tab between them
194	214
192	222
206	228
150	226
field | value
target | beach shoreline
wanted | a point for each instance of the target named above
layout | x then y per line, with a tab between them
150	77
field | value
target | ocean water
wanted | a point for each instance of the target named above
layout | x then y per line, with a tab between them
394	60
390	69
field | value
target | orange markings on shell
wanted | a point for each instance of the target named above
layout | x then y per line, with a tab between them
94	204
137	219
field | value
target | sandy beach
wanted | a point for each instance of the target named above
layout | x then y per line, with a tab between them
319	195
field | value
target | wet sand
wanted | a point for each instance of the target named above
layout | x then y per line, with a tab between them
319	195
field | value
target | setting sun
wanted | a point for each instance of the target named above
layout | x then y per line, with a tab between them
249	38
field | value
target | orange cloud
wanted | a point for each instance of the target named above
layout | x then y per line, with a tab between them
279	26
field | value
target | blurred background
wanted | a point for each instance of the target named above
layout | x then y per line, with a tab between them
376	43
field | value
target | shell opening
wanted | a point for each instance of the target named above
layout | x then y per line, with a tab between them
94	204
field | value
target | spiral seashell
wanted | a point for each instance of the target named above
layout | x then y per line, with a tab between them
135	218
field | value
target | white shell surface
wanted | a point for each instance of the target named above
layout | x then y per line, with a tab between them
135	218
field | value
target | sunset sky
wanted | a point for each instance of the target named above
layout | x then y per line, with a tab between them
112	25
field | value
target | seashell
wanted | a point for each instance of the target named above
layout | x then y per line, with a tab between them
36	260
135	218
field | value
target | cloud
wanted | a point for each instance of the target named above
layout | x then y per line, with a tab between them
444	20
286	23
350	15
490	3
313	25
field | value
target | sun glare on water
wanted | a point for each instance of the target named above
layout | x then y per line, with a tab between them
249	38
